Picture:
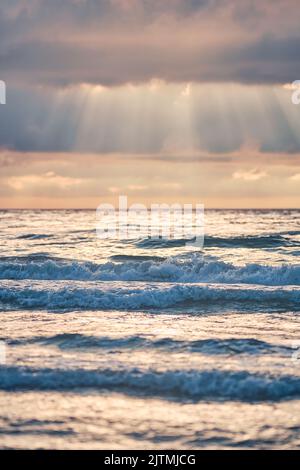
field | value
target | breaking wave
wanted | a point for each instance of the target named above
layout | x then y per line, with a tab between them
193	269
99	295
190	385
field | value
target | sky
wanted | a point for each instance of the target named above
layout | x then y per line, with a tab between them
186	101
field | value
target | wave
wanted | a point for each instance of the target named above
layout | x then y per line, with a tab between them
274	240
192	269
77	295
185	385
250	241
137	258
229	346
34	236
291	232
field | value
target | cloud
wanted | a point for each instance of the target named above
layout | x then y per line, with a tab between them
254	174
114	189
137	187
120	41
86	180
137	85
47	181
172	186
213	119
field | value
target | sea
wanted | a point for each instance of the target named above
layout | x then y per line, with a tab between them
149	343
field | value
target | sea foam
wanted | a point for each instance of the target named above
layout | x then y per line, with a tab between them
191	269
138	295
190	384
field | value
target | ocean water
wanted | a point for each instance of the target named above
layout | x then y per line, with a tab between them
149	344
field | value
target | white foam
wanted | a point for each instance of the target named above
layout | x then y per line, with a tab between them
175	269
136	295
190	384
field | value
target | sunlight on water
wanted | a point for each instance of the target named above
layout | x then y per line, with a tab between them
141	342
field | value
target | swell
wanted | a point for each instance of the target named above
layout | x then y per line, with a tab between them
185	385
65	341
272	240
64	295
34	236
276	240
192	269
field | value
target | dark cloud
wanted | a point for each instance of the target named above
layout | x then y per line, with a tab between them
47	46
113	42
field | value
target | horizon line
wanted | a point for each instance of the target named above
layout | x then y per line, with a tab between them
149	208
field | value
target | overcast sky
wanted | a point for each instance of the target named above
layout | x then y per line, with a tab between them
178	100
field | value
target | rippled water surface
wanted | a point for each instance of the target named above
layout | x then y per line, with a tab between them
143	343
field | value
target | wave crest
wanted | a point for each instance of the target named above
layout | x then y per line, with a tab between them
192	269
190	385
73	295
